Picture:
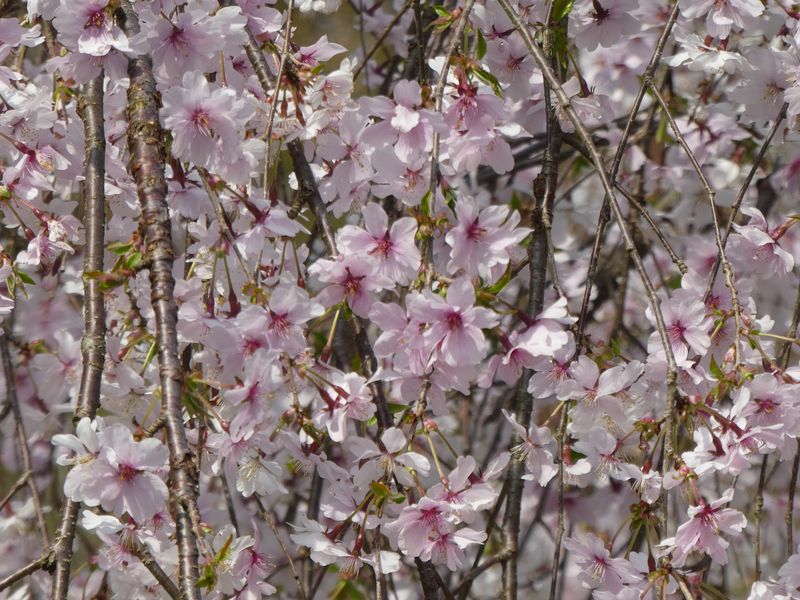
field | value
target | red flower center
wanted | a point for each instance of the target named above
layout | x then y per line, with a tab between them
383	246
454	320
127	472
202	120
96	20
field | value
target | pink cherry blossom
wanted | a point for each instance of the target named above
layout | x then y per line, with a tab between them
88	26
702	532
455	331
394	250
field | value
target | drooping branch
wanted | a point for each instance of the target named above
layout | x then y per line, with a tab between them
309	193
93	345
539	257
22	436
145	141
630	247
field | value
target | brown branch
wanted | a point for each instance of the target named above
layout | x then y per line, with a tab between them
21	483
309	192
737	203
150	563
604	218
31	567
22	436
710	196
383	35
630	247
93	344
287	34
785	356
145	141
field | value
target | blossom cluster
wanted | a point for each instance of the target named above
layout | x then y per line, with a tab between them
495	296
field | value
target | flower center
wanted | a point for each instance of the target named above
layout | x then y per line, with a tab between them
676	331
127	472
454	320
351	283
96	20
383	246
202	120
475	231
279	324
766	405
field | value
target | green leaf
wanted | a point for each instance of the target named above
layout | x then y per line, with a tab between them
425	204
380	490
396	408
481	50
489	80
561	9
208	579
502	282
715	370
134	260
25	278
441	11
119	248
450	198
346	590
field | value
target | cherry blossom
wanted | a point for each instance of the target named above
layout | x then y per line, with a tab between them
296	297
702	531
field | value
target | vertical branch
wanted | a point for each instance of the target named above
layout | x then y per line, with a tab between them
145	141
22	436
602	222
710	195
539	256
310	194
93	344
759	505
438	92
630	247
287	34
785	356
737	204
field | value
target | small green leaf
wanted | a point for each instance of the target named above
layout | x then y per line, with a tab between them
502	282
119	248
481	50
716	371
441	11
133	260
561	9
208	579
380	490
489	80
25	278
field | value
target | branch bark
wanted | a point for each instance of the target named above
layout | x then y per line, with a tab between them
93	345
145	140
309	192
630	247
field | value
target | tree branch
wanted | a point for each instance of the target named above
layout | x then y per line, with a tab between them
93	344
145	140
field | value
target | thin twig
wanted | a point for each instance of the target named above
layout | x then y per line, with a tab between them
31	567
150	563
737	203
383	35
710	196
21	483
785	357
22	436
287	34
630	247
